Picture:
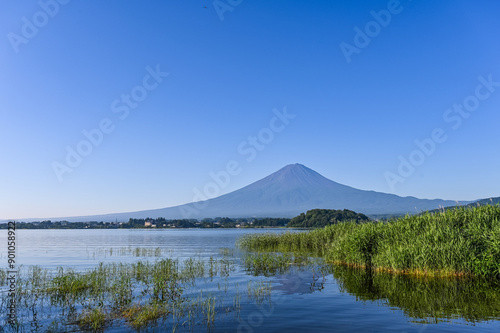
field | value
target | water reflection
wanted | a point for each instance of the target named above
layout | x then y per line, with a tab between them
300	281
286	291
426	299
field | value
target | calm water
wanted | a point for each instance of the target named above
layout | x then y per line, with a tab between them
303	299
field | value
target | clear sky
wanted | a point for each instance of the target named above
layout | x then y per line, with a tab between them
360	82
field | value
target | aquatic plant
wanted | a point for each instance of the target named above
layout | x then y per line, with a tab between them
462	241
137	294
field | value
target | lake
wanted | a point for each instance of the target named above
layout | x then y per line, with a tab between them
307	296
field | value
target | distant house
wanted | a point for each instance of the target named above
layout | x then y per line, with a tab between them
147	224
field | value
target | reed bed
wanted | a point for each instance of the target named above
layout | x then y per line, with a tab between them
458	242
271	263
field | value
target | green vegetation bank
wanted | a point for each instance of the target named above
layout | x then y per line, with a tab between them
459	242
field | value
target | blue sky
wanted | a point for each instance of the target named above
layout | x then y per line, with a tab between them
356	116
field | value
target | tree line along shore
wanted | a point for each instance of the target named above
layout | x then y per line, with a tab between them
314	218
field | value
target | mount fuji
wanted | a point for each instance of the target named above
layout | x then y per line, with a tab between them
292	190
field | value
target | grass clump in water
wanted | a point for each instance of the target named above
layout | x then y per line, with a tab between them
267	264
141	316
462	241
270	263
92	320
140	295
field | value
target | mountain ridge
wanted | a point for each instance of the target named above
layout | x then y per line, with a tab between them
291	190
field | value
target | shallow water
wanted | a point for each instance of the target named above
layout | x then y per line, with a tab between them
314	298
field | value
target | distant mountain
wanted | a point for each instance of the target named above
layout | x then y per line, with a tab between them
482	202
489	201
288	192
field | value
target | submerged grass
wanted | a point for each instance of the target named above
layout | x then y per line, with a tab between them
267	264
92	320
129	251
140	316
137	294
270	263
458	242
